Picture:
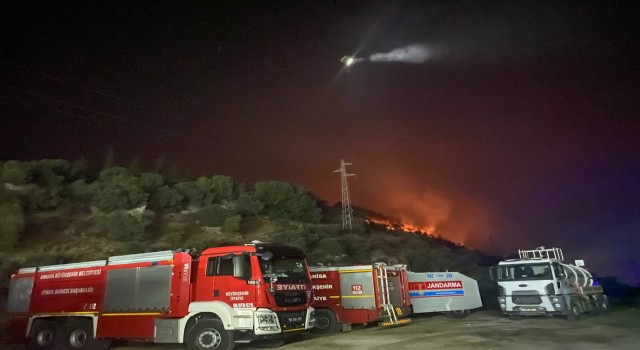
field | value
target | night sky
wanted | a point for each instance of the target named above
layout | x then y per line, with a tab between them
522	130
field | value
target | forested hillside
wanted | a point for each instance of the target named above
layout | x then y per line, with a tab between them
54	211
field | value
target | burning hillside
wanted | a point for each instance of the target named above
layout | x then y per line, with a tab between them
392	224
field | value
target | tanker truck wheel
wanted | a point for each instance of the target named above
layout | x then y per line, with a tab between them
326	322
603	304
574	311
594	303
209	334
80	337
458	313
44	335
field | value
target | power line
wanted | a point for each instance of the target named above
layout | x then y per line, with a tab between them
94	111
57	110
92	90
70	82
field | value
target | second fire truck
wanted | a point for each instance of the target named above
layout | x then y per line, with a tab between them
360	294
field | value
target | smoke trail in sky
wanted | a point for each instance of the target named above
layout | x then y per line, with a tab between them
409	54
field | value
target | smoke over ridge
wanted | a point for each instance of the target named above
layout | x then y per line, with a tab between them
408	54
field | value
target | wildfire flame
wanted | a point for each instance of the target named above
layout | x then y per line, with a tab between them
390	224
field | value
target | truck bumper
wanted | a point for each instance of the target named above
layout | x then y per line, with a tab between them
290	323
528	311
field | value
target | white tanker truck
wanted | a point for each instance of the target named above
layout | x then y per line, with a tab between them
539	283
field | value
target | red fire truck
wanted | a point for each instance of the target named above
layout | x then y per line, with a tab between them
226	295
360	294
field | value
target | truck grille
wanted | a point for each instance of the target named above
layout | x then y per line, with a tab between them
292	320
526	297
291	298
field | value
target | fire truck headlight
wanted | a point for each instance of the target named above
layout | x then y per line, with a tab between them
503	306
558	306
502	300
268	322
312	319
555	299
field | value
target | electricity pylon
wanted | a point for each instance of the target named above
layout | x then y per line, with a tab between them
347	212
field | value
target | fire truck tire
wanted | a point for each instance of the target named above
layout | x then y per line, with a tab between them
44	335
326	322
80	337
209	334
458	313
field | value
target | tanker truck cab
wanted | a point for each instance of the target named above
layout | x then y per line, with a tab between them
540	284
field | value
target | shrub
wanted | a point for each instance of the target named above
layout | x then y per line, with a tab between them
285	201
165	198
15	172
7	267
173	234
213	215
355	246
191	194
150	182
332	246
118	189
12	222
232	224
215	189
79	191
201	243
248	204
319	256
125	225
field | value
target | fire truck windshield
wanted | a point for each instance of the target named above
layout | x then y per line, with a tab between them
535	271
288	270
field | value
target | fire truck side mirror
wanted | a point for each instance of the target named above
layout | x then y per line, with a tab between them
493	273
241	267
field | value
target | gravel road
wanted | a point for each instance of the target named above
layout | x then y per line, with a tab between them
619	329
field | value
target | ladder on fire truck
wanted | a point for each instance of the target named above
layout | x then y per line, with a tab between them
383	282
541	253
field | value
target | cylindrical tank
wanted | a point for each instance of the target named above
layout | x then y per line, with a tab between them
578	275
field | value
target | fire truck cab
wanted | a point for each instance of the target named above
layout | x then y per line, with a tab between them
224	296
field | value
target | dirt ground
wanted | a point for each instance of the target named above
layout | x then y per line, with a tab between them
620	329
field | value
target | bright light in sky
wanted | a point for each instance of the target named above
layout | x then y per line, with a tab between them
348	60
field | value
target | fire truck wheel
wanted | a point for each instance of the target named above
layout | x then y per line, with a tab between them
326	322
210	334
44	335
80	337
458	313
